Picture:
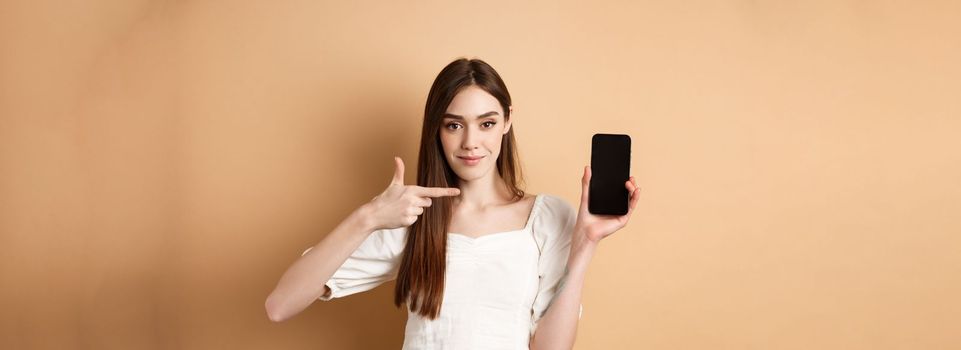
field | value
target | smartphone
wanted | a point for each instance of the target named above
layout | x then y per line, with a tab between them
610	169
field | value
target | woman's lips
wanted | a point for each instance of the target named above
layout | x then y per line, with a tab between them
470	160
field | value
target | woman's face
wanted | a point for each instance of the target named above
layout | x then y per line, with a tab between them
471	132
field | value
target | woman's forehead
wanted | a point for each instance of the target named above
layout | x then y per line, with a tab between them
473	102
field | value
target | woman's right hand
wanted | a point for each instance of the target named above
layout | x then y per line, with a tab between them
400	205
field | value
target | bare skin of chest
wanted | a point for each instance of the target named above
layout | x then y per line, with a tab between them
476	223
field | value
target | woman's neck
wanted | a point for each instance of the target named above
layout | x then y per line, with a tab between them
482	193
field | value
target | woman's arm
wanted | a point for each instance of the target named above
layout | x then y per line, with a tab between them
558	328
306	279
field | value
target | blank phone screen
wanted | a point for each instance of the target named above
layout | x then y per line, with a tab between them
610	169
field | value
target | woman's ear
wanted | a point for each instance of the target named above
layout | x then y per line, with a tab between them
510	118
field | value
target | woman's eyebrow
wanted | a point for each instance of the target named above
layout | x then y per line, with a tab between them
454	116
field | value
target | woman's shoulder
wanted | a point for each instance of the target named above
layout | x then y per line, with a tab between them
555	204
553	211
554	221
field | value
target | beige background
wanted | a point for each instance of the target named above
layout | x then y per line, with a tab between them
163	162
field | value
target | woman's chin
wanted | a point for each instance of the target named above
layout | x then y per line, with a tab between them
470	174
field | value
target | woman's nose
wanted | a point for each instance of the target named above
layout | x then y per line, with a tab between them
469	141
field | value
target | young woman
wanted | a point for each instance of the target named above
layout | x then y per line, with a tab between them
479	264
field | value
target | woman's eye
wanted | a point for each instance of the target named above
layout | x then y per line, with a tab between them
489	126
452	126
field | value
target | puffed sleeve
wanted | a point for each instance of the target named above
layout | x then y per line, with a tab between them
552	230
374	262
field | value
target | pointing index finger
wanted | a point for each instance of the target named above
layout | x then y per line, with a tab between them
437	191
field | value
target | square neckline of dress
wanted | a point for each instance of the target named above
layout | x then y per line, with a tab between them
530	219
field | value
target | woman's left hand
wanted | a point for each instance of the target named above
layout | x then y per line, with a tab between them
596	227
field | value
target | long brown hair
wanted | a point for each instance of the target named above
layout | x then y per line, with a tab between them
420	278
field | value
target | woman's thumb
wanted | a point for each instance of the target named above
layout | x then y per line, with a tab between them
398	171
